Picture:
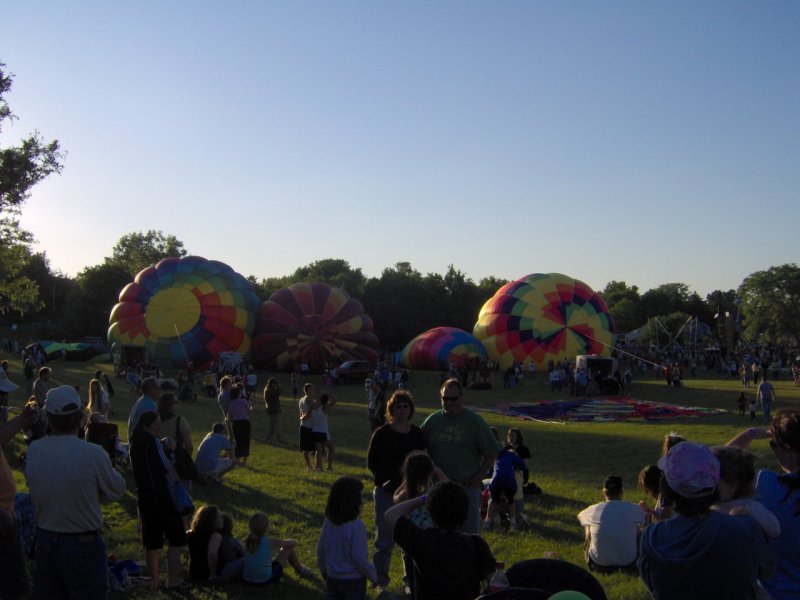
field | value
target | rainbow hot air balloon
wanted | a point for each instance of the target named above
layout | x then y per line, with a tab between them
312	323
544	317
438	347
185	309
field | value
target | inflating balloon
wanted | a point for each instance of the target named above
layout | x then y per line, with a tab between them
544	317
312	323
438	347
185	309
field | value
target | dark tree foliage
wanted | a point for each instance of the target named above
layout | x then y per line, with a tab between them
625	305
95	293
21	167
136	251
771	304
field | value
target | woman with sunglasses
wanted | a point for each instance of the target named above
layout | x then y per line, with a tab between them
780	493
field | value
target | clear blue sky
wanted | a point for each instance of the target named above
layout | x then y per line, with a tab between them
649	142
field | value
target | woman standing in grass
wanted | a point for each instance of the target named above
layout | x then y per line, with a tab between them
342	548
272	401
157	513
238	415
388	448
98	401
319	427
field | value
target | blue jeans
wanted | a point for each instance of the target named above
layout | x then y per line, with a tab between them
13	578
345	589
70	566
473	524
766	405
384	540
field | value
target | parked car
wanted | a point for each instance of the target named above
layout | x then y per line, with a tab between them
353	370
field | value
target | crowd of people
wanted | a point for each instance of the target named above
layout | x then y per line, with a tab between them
718	529
716	526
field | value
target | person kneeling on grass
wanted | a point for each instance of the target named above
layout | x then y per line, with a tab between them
259	566
612	530
448	564
208	461
503	487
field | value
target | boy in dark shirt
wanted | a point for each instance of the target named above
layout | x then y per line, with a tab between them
448	564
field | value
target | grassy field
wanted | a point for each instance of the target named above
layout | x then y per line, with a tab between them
570	462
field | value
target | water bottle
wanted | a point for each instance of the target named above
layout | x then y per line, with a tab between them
499	581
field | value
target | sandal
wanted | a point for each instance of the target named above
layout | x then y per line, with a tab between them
184	587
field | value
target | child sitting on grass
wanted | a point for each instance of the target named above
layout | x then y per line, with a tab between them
207	561
650	484
259	566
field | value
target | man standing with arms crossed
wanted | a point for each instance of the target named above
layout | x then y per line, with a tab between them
462	446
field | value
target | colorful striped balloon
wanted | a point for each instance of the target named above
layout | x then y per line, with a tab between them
436	348
543	317
185	309
312	323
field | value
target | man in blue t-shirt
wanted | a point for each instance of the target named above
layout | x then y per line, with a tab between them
209	463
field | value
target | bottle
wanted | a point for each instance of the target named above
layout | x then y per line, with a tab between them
499	581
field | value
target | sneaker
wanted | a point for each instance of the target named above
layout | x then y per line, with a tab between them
487	525
514	526
306	573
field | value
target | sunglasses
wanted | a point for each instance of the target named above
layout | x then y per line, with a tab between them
451	398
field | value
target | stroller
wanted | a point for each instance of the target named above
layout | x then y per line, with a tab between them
107	436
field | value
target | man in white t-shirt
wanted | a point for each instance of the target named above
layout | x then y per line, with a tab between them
612	530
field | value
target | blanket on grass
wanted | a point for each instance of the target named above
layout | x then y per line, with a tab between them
599	409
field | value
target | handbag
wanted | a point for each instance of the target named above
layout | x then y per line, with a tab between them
184	464
181	498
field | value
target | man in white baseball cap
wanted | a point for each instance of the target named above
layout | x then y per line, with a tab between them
68	479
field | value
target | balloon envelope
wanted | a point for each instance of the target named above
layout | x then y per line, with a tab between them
543	317
312	323
436	348
185	309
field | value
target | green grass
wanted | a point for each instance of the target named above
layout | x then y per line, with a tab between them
569	462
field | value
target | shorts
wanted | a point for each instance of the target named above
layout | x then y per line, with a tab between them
319	437
277	573
307	439
156	526
502	493
241	433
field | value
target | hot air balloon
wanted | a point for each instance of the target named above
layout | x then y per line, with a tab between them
438	347
543	317
312	323
185	309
